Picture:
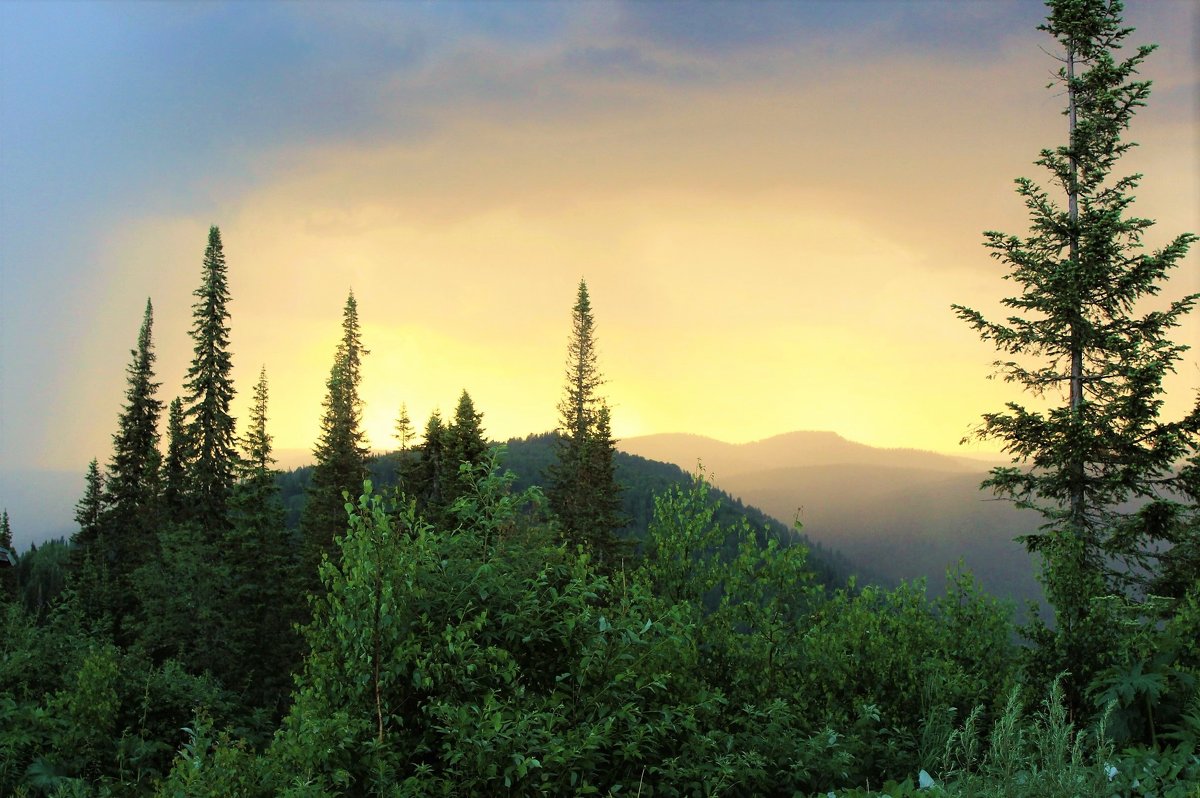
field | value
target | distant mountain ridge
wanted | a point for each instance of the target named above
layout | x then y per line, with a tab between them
791	449
903	513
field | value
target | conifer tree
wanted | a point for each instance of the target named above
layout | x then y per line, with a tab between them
257	461
126	538
582	488
131	491
427	474
262	598
8	571
90	508
210	429
463	444
404	428
175	467
90	573
604	511
341	452
1077	332
257	494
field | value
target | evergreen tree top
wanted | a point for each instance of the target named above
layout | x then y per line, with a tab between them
433	428
211	438
577	408
135	443
257	442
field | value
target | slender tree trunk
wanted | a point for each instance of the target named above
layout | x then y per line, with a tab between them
1076	380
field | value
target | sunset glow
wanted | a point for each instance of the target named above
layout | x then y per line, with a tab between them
771	223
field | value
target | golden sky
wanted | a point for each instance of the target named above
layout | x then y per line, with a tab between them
774	206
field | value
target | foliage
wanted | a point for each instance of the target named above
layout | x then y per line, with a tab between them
41	576
126	536
341	450
404	428
1083	272
424	476
210	436
264	594
582	488
76	712
175	466
463	444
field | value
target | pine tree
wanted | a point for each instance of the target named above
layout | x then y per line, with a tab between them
582	488
577	410
1078	332
90	508
126	538
427	475
8	570
262	601
341	451
90	574
604	511
131	491
464	445
404	429
256	461
210	429
175	467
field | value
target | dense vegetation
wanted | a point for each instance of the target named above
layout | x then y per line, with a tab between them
448	628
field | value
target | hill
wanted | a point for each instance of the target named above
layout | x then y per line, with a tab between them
641	479
902	513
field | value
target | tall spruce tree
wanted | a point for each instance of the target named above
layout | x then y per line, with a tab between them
1079	332
210	428
131	491
131	499
341	451
581	480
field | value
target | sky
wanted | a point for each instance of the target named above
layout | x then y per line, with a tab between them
773	204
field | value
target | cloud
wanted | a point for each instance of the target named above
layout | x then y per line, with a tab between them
772	213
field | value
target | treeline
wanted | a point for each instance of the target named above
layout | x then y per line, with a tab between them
457	635
640	480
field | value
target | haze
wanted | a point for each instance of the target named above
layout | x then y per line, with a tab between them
774	205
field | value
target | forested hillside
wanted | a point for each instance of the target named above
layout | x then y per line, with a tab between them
554	618
640	480
900	513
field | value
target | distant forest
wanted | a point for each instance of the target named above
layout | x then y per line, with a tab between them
548	617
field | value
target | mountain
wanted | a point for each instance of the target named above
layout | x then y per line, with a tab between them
791	449
903	513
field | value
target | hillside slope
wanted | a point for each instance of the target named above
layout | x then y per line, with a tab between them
902	513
